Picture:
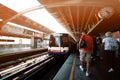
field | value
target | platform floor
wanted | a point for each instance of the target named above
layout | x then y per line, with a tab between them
97	71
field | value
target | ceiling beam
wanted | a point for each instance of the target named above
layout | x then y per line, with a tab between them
83	19
95	26
72	22
64	19
78	20
89	17
24	11
97	3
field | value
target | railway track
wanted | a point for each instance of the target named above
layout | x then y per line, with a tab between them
31	67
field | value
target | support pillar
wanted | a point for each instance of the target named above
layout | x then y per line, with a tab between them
33	42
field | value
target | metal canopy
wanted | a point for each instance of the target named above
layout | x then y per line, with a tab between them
79	15
75	15
8	15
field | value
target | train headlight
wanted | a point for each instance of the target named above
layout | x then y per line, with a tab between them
62	50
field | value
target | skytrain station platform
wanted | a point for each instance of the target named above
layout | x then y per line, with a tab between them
18	50
71	71
32	24
12	50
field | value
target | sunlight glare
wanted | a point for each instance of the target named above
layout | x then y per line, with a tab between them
40	16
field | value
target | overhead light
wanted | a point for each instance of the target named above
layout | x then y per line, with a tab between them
1	19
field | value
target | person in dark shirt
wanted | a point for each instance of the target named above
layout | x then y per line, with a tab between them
98	47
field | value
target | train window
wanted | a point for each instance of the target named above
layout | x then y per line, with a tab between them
54	41
64	41
57	40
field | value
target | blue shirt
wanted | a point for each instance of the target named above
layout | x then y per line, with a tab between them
110	43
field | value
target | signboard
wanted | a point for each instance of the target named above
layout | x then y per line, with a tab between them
12	29
36	34
28	32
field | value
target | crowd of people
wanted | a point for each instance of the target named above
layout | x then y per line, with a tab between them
103	48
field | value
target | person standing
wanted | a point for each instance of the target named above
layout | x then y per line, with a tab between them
98	47
85	53
109	45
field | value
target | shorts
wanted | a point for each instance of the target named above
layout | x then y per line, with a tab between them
85	56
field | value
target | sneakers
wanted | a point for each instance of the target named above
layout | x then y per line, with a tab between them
81	68
111	70
87	74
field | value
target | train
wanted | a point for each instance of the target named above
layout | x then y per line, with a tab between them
61	44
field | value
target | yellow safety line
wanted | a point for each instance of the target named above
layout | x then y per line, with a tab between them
72	70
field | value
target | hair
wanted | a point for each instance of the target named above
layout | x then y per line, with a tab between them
108	34
84	31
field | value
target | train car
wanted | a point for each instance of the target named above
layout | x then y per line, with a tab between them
60	44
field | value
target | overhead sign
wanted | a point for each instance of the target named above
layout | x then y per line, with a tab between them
36	34
22	31
12	29
28	32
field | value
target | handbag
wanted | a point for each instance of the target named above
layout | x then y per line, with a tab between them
83	43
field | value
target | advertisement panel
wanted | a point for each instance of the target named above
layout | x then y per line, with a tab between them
36	34
12	29
28	32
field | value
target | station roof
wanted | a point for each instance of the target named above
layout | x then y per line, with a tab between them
95	16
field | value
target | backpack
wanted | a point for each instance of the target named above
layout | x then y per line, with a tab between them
83	43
